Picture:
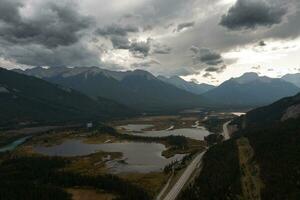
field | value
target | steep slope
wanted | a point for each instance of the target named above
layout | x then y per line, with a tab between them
274	134
29	99
251	90
281	110
188	86
269	144
292	78
137	89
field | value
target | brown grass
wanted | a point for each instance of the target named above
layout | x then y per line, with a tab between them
88	194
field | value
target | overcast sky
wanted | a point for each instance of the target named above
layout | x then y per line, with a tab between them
202	40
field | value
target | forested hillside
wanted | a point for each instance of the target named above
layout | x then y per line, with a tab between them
26	99
275	163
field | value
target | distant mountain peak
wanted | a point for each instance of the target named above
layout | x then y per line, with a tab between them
139	72
251	90
250	74
189	86
247	77
292	78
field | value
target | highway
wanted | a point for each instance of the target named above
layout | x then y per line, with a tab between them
162	192
173	193
225	131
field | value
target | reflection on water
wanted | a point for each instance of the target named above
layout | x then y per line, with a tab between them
138	157
238	113
14	144
197	133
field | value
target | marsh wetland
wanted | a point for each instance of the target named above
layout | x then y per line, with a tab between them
136	150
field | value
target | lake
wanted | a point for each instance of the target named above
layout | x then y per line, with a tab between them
138	156
197	133
238	113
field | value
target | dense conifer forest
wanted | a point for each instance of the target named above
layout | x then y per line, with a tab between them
35	177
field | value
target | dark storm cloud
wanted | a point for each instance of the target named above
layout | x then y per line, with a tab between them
49	36
206	75
119	39
140	49
53	25
9	11
118	35
120	42
116	29
216	69
262	43
185	25
36	55
248	14
206	56
290	29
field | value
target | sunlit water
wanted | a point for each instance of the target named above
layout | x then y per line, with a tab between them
238	113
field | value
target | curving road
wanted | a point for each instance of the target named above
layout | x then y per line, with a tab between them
173	193
225	131
162	192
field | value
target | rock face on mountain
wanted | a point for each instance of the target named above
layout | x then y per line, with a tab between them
137	89
185	85
251	90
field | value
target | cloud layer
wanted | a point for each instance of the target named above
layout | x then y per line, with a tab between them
249	14
169	37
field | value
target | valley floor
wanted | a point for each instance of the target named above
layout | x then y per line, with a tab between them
95	164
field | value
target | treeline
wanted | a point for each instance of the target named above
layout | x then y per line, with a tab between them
177	165
213	139
220	175
215	124
44	178
277	152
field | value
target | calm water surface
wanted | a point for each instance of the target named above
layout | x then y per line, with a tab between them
138	157
195	133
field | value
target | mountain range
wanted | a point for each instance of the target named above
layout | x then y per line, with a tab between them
33	100
187	85
251	90
292	78
139	90
143	92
